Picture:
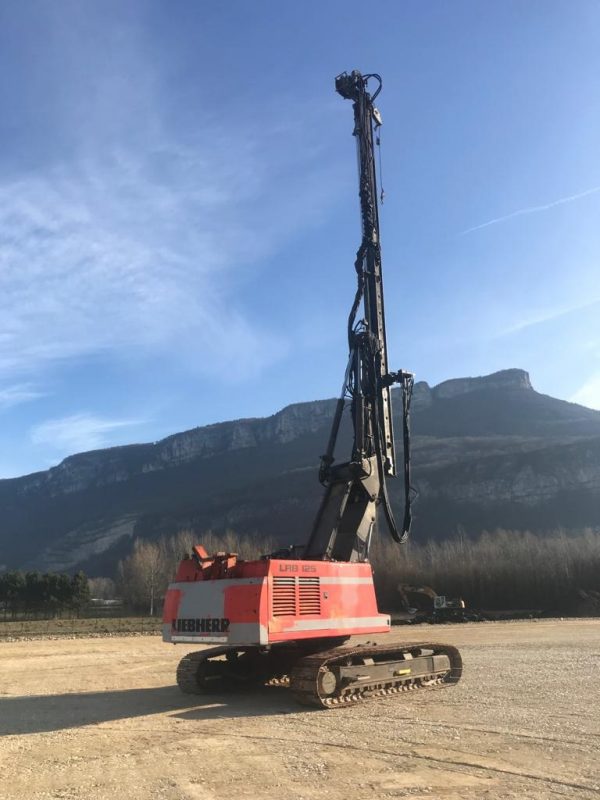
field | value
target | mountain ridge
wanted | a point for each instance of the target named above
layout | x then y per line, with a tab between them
488	451
247	428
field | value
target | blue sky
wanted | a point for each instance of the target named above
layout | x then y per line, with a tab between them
178	208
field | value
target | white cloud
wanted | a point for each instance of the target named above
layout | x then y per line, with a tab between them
547	316
78	432
588	394
142	250
137	233
532	210
134	207
18	393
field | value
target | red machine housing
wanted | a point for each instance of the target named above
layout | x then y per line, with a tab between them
221	599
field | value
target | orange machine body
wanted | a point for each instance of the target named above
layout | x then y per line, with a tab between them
222	600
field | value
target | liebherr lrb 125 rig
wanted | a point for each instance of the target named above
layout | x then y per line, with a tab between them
287	617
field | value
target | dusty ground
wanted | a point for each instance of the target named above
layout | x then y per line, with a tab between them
101	718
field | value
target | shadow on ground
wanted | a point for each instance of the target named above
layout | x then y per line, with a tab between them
55	712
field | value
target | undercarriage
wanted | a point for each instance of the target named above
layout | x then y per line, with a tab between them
324	675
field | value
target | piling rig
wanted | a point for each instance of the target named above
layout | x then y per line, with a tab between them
287	618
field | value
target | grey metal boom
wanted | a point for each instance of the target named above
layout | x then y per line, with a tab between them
354	489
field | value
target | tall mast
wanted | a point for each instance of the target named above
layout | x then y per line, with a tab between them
368	263
347	515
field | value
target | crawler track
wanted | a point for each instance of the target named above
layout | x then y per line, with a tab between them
314	681
326	679
197	674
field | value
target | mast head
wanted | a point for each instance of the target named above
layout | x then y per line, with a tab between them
347	85
350	86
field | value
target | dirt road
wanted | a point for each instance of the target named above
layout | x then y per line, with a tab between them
101	718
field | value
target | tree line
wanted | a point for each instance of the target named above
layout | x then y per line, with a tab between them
33	594
500	570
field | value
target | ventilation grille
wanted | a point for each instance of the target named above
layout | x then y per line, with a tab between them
310	596
296	596
284	597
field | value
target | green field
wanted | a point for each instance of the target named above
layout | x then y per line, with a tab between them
25	629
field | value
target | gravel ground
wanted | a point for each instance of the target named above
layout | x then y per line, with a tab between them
101	718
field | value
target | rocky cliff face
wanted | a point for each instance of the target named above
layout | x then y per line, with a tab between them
488	452
104	467
506	379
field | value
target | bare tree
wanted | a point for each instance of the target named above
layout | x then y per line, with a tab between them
141	575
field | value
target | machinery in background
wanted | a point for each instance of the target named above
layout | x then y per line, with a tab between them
287	617
423	604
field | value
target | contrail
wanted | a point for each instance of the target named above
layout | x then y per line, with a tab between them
548	316
532	210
